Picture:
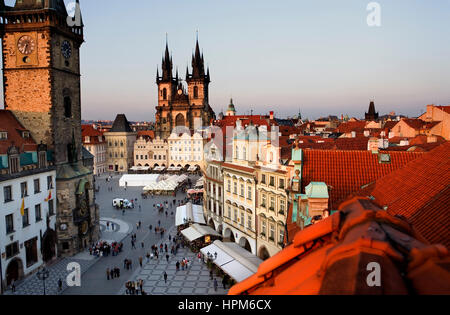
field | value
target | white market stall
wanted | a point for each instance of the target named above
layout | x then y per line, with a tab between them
139	180
165	184
197	231
234	260
191	212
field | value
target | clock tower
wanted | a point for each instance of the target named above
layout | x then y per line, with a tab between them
41	75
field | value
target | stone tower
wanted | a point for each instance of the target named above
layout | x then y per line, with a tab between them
178	106
41	75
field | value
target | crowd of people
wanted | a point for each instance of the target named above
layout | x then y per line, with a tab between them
104	249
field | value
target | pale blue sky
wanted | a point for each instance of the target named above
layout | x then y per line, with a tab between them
319	56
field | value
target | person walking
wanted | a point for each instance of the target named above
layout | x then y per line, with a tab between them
111	273
167	257
60	284
142	245
107	273
211	274
215	284
165	277
140	261
13	286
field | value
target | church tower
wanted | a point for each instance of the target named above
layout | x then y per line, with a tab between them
372	114
41	75
178	106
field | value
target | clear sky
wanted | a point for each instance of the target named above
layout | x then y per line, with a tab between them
317	56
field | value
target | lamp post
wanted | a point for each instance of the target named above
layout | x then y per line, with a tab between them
43	275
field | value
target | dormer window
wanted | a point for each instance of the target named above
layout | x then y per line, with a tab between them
14	164
3	135
42	159
25	134
87	139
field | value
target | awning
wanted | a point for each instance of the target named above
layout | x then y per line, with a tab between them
234	260
191	212
197	231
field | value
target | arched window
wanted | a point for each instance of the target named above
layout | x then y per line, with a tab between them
244	152
195	91
164	92
67	107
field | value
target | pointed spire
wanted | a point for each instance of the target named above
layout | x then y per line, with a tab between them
157	74
187	72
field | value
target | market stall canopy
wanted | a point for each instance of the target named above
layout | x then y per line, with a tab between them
140	168
159	168
199	183
191	212
197	231
195	191
234	260
139	180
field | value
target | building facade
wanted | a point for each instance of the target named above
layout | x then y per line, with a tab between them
186	150
182	105
41	75
94	141
214	195
27	202
151	153
120	141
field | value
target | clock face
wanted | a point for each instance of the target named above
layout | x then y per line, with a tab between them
66	49
26	44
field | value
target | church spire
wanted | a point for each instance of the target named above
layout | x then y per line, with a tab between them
167	64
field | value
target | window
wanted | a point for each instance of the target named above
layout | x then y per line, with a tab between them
51	208
249	193
249	222
281	183
272	232
12	250
229	212
235	215
242	218
235	188
244	153
137	157
14	164
263	179
195	91
9	220
242	190
49	182
67	107
164	94
38	212
263	200
37	186
42	159
281	234
263	227
7	193
282	206
23	190
272	181
272	203
25	218
3	135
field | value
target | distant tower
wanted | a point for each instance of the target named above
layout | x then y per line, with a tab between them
231	111
372	114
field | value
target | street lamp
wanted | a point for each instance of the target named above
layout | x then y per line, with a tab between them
43	275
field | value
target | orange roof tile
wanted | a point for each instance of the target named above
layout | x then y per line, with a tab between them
332	257
419	192
347	171
14	128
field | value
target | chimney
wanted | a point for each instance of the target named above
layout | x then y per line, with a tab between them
373	145
271	115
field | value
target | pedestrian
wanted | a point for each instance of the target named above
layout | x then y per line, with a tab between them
224	283
107	273
167	257
165	277
140	261
142	245
148	257
211	274
215	285
150	227
60	284
111	272
13	285
182	264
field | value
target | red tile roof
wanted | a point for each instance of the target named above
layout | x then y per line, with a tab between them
238	167
333	256
444	108
419	192
348	171
347	127
90	131
14	128
148	134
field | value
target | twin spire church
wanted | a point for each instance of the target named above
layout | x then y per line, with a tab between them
179	104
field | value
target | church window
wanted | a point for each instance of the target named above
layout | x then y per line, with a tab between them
195	91
67	107
164	92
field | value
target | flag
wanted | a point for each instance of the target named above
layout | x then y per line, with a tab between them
49	196
22	208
